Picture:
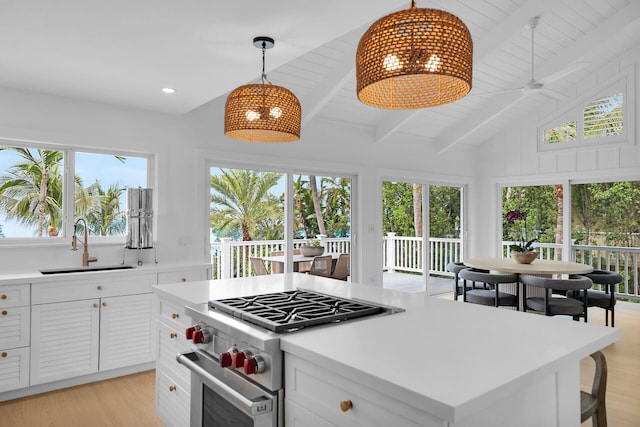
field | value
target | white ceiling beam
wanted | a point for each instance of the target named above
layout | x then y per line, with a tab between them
481	50
335	80
558	65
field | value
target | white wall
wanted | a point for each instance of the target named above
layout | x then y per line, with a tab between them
512	157
183	144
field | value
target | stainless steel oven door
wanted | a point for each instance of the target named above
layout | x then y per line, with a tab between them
221	397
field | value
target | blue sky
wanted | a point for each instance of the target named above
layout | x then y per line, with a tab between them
89	166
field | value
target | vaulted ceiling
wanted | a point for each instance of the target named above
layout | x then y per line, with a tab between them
123	52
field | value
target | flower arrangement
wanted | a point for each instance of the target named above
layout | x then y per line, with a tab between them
519	231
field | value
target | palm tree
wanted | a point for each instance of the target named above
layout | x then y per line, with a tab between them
316	204
241	199
31	190
104	214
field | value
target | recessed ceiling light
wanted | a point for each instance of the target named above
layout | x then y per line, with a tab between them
168	90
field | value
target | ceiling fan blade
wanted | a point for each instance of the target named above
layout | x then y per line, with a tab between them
553	94
495	92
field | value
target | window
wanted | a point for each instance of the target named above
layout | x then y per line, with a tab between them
604	117
596	119
34	184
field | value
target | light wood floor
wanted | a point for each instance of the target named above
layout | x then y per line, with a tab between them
129	401
120	402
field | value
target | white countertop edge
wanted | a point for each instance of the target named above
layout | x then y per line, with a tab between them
34	276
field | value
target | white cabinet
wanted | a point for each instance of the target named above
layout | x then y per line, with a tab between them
126	331
65	340
190	275
82	326
15	317
314	393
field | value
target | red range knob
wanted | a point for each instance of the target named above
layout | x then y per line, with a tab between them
254	365
225	359
250	366
238	359
189	332
198	337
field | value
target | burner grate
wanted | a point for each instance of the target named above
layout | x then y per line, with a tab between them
291	310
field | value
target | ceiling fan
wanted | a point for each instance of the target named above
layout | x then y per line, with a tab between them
533	85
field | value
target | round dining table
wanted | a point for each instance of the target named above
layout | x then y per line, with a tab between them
538	266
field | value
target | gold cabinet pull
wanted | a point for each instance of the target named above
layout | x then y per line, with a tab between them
95	305
172	388
175	315
99	287
183	279
104	304
4	354
5	312
3	296
173	335
345	405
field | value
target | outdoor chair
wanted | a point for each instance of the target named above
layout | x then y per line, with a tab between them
493	296
304	266
277	267
259	268
604	299
321	266
592	405
342	269
551	304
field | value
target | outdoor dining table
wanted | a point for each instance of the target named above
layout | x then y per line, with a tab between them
297	259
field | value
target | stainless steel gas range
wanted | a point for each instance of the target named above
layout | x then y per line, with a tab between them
236	364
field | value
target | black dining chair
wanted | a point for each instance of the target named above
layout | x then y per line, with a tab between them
491	296
552	304
604	299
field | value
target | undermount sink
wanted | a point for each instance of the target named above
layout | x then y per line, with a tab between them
85	269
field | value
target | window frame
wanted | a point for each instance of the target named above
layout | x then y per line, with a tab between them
622	83
68	191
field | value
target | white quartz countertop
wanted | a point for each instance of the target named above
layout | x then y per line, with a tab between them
35	276
447	358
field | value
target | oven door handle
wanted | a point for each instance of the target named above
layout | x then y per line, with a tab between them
229	394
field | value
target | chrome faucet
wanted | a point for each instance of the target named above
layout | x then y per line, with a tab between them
86	259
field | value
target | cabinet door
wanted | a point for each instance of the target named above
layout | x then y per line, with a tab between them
64	340
15	295
172	402
14	368
14	327
127	335
183	276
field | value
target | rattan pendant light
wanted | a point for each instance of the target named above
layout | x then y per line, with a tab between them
262	112
414	58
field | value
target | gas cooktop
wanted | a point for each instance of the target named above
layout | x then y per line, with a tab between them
291	310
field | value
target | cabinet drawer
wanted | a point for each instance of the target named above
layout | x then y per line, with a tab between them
183	276
321	392
172	401
14	295
14	368
173	315
88	288
170	343
14	327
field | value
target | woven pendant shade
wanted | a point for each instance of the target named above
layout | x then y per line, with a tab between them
262	112
414	58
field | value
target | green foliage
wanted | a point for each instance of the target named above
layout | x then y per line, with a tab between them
540	206
444	211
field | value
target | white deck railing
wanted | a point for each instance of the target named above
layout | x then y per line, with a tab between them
231	259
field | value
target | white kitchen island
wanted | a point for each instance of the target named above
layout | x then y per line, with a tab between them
439	363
